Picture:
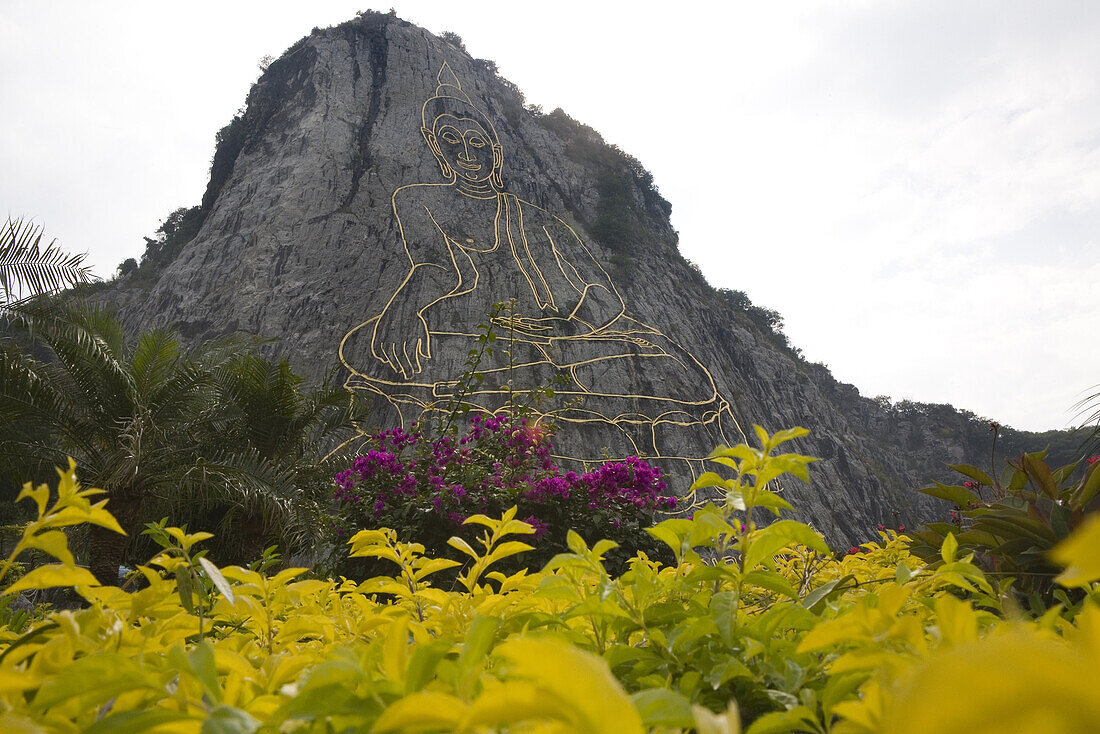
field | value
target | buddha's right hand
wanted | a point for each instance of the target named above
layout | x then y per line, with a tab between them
401	344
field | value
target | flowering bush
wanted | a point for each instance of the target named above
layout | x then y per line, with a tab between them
426	487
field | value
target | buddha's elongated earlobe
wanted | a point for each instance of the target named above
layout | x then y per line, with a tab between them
495	179
433	144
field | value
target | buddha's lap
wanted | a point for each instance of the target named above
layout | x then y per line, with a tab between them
634	365
611	366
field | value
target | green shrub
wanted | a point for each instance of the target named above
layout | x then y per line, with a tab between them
756	626
1012	523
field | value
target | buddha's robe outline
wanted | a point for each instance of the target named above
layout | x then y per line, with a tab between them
568	317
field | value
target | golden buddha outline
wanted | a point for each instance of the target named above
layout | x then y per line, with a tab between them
568	316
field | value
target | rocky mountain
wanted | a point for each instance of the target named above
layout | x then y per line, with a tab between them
383	189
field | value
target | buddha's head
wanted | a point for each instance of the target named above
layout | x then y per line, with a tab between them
461	137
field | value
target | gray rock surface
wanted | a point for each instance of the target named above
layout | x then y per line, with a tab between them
300	241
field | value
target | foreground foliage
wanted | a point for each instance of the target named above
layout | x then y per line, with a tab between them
751	625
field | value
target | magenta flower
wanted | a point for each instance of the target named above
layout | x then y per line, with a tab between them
539	526
494	461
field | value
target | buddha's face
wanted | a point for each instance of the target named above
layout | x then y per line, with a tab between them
465	146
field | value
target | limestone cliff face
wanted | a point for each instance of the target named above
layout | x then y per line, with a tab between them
304	239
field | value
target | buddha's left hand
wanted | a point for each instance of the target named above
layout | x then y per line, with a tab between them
524	323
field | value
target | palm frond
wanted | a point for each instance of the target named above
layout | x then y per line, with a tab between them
1088	411
154	359
266	398
25	394
220	351
29	267
88	343
24	459
254	484
186	394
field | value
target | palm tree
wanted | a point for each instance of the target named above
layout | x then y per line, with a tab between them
272	422
146	420
27	267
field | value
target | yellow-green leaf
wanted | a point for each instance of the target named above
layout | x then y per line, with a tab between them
40	495
762	435
710	479
433	565
789	433
832	633
12	681
364	538
186	540
422	711
219	581
13	723
1021	681
956	620
287	575
1080	555
97	515
770	501
47	577
53	542
383	585
509	548
513	702
481	519
596	701
673	533
94	680
460	544
516	527
131	722
949	548
779	535
662	707
377	551
395	649
707	722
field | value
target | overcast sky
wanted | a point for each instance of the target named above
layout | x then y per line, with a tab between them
915	186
